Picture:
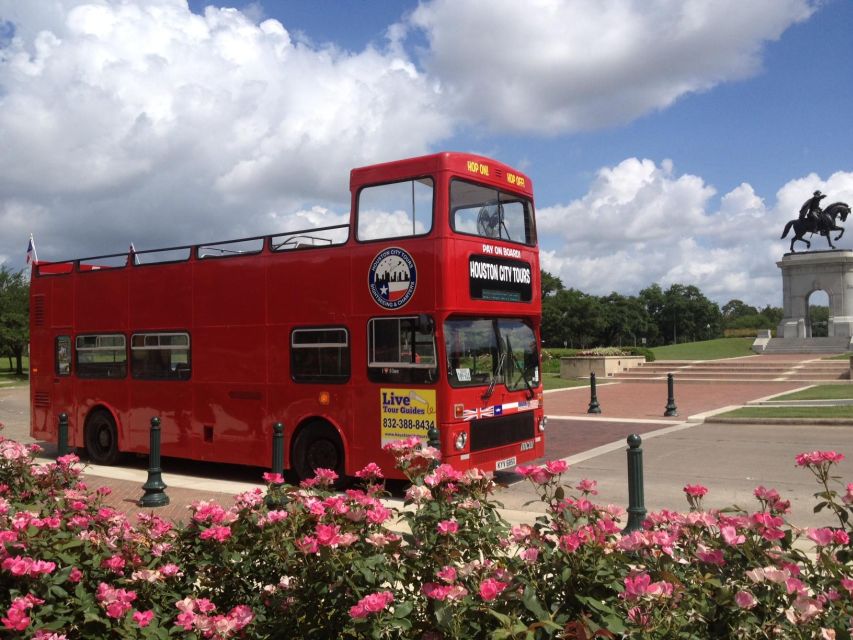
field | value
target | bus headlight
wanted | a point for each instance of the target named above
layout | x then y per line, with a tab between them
543	421
461	439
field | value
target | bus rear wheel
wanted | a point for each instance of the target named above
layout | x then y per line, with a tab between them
318	446
102	438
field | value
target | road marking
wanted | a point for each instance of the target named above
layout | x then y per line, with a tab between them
599	419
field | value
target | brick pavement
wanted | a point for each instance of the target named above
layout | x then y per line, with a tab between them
566	438
126	494
647	400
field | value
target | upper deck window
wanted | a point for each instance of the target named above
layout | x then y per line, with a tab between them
490	213
395	210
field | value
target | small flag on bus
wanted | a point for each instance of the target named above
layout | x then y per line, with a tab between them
134	258
31	251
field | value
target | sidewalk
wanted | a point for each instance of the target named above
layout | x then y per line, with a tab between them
648	400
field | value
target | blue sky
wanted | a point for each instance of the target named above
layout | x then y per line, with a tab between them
667	141
788	120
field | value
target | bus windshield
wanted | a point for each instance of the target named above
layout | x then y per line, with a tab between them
486	351
485	211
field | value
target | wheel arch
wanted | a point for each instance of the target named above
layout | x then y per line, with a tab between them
306	423
103	407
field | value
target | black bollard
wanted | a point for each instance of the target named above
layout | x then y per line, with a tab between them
594	407
636	506
671	409
278	448
62	436
434	441
155	488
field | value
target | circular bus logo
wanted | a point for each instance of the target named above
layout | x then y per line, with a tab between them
392	278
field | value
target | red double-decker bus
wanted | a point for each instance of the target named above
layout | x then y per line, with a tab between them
423	310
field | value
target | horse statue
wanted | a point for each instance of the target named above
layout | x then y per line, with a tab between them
825	225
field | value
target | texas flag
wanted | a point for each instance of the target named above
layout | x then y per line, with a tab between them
394	290
31	251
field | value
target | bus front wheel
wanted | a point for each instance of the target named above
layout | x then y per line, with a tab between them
318	446
102	438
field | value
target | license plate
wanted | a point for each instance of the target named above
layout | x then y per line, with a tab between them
500	465
527	446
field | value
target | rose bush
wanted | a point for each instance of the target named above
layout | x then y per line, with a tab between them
309	562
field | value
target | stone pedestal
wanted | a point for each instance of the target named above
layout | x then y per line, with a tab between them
805	273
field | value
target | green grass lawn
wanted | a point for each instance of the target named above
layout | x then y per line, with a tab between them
554	381
706	349
789	412
840	356
7	374
821	392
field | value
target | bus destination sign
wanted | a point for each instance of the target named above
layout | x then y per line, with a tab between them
492	278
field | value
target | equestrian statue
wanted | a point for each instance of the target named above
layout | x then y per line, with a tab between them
813	219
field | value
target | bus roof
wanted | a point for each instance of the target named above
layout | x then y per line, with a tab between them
483	168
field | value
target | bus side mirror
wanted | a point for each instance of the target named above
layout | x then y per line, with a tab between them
425	324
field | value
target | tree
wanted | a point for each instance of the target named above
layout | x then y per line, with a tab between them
14	315
550	284
687	315
626	320
737	309
652	299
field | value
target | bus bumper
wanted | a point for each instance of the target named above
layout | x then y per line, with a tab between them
500	458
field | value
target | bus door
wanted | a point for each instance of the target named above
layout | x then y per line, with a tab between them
52	392
401	400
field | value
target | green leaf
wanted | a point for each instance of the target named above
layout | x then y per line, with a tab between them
403	609
533	605
58	591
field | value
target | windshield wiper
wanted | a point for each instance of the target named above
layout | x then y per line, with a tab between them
491	389
520	368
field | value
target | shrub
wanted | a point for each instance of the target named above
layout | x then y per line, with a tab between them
640	351
307	562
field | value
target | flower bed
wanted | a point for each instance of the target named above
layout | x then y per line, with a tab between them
304	562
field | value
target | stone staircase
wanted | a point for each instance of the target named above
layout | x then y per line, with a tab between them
740	370
807	345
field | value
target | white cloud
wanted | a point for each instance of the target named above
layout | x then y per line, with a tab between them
640	223
555	66
137	120
112	113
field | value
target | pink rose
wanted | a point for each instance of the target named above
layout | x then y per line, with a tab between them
447	527
143	618
745	600
695	490
821	537
448	574
491	589
373	603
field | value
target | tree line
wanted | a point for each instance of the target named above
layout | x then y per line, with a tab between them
14	317
681	313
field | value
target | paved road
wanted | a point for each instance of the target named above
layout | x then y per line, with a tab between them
730	459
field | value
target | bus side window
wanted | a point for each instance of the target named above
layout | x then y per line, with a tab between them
63	355
160	356
101	356
398	351
320	355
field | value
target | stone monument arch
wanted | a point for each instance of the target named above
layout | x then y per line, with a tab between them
805	273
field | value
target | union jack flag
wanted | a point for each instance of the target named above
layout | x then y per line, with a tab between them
476	414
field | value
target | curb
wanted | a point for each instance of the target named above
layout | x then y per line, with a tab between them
840	422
